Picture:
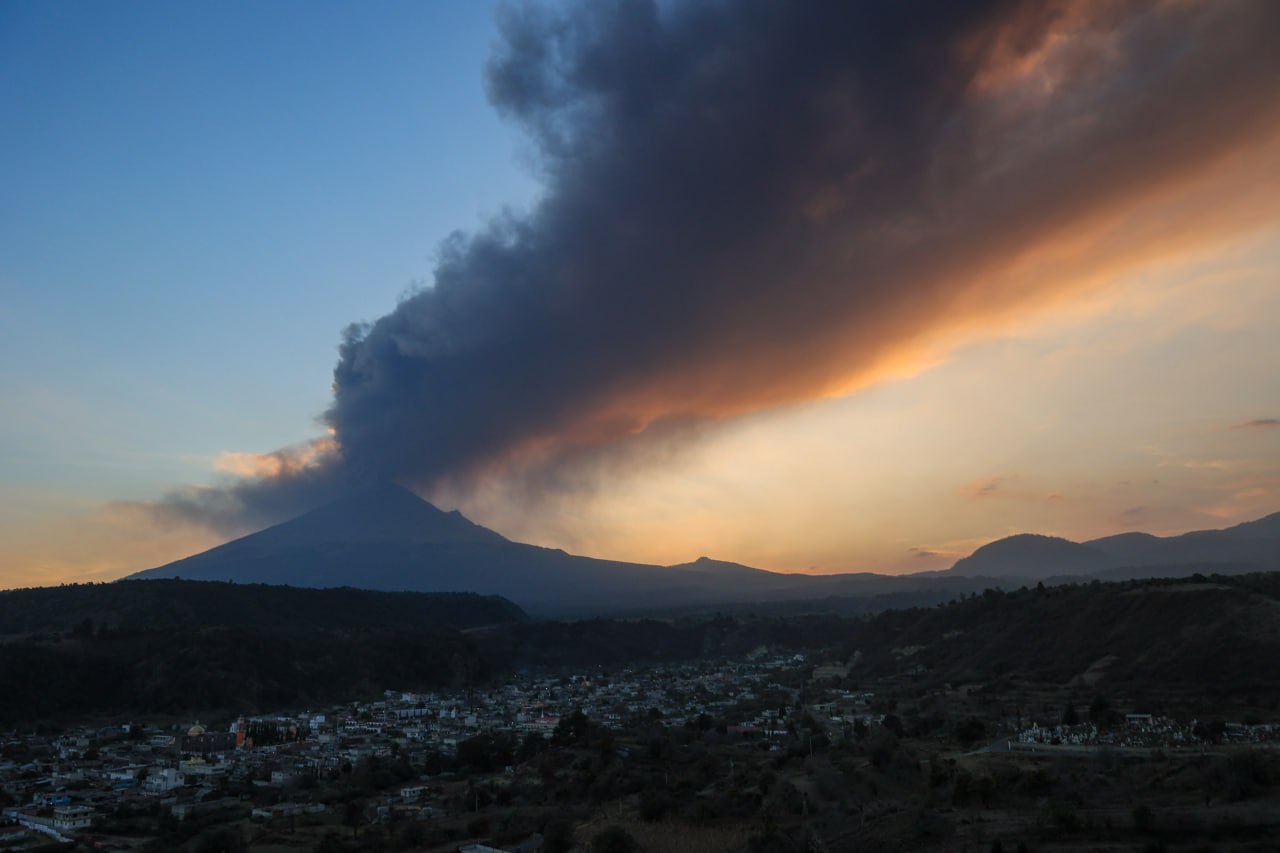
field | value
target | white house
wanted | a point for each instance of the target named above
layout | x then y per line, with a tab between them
160	781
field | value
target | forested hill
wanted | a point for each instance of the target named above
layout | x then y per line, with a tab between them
162	649
170	646
129	606
1217	632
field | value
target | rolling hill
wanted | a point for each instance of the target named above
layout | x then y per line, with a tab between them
1249	547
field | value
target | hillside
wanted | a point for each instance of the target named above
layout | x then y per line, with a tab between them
204	671
1198	634
189	646
126	606
1219	633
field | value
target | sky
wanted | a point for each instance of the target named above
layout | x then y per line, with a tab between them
813	287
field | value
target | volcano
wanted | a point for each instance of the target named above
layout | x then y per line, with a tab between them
387	538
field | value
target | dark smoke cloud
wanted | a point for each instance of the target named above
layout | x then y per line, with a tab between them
753	203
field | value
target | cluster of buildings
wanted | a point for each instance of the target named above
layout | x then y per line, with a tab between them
78	781
1146	731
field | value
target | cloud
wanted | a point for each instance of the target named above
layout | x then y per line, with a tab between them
754	204
984	487
280	463
256	490
1259	423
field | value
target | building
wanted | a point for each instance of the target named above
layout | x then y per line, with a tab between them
163	780
72	818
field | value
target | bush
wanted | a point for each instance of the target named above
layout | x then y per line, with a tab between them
614	839
557	837
970	732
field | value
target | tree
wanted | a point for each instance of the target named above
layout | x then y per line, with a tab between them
557	836
614	839
353	816
653	805
970	731
221	841
534	744
572	728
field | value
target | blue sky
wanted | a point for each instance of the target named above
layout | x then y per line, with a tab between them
198	197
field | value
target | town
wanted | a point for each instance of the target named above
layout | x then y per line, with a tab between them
475	768
99	781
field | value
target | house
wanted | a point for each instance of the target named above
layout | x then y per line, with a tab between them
160	781
72	818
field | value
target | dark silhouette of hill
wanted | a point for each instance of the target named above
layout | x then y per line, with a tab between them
170	646
52	677
1032	556
1249	547
127	606
1219	632
386	538
1125	546
389	539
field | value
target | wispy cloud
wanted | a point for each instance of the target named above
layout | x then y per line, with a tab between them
981	488
1259	423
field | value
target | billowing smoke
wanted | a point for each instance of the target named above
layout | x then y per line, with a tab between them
753	203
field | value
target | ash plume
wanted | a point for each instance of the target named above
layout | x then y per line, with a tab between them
751	204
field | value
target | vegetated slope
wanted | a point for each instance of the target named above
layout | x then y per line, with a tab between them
224	670
614	642
1222	632
189	646
171	604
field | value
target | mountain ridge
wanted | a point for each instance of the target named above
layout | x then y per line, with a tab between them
1250	546
387	538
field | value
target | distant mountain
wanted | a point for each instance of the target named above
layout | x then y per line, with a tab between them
387	538
1125	546
1032	556
1249	547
